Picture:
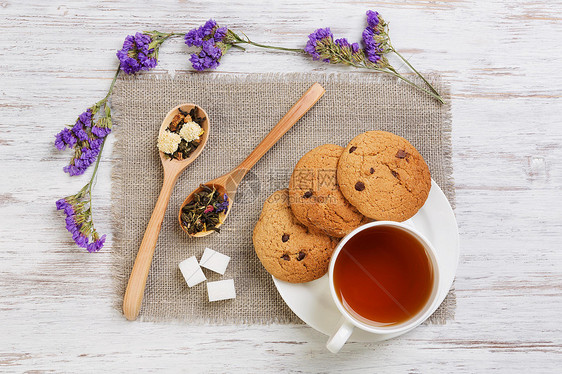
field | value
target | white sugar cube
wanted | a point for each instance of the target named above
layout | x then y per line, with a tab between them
192	272
214	261
221	290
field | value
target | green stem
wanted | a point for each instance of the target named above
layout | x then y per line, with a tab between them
112	85
299	50
415	71
91	182
238	46
163	34
435	96
400	76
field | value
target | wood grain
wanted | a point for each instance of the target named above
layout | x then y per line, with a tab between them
229	182
503	62
172	170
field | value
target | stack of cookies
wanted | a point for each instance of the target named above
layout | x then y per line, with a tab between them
332	191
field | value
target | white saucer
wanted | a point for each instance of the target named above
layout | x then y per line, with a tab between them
313	303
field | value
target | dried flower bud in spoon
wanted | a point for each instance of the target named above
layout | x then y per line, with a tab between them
182	136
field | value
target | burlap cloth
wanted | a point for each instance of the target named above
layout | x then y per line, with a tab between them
242	109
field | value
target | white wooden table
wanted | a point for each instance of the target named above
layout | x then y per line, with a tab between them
503	59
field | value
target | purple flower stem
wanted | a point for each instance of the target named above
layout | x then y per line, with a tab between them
248	41
112	85
415	71
300	50
91	182
400	76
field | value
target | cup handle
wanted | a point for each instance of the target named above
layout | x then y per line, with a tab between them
338	339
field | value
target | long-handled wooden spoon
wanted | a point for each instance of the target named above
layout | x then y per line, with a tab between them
228	183
172	169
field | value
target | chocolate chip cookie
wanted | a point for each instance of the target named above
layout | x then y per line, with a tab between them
315	197
383	176
286	248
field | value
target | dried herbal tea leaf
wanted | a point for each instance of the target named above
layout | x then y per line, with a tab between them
203	212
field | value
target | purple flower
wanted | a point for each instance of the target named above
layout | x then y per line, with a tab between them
220	33
101	132
74	214
96	245
375	37
208	58
69	210
343	43
61	204
192	38
207	37
224	205
209	25
59	142
65	206
195	37
373	19
136	54
86	135
69	138
71	225
314	38
95	144
373	50
88	155
72	170
78	130
80	239
86	118
65	138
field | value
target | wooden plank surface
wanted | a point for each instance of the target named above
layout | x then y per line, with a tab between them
503	60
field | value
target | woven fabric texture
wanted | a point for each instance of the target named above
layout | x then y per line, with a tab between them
242	109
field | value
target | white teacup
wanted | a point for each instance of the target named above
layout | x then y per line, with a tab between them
349	322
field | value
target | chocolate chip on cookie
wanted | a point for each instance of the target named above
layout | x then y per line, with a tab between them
395	180
328	211
304	257
401	154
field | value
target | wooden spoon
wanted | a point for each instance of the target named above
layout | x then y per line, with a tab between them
228	183
172	169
